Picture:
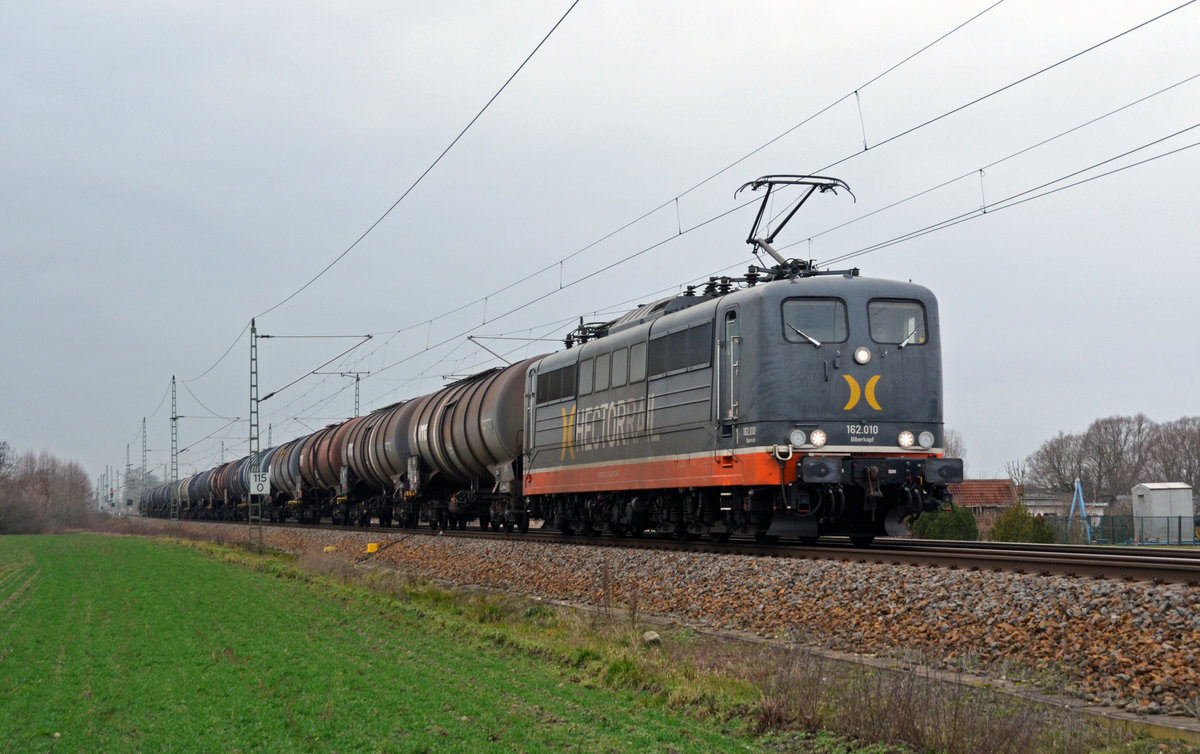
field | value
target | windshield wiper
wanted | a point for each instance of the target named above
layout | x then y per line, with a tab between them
904	341
804	335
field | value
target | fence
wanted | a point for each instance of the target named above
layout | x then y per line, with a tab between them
1128	530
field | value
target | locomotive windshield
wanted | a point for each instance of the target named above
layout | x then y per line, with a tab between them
899	323
814	320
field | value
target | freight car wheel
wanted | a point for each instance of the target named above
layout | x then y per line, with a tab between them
862	540
523	524
508	527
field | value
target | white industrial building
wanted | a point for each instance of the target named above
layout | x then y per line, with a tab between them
1163	513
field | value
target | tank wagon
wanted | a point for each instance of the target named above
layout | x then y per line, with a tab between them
790	402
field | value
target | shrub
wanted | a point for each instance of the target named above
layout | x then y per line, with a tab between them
42	494
1017	524
956	523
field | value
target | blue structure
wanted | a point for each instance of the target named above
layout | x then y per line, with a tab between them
1077	504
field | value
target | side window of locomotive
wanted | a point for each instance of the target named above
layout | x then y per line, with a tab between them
897	323
601	372
680	350
700	345
585	376
556	384
637	362
620	367
819	319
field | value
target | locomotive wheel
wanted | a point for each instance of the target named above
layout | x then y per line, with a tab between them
862	540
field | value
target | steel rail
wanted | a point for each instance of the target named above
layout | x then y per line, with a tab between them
1154	564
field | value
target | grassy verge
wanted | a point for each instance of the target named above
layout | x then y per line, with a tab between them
130	644
124	644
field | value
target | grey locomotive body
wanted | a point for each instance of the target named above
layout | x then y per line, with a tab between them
800	406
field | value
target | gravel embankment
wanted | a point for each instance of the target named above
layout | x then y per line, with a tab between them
1131	645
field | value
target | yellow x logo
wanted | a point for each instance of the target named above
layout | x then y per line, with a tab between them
857	392
568	445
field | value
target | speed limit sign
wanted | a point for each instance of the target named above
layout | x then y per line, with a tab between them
260	483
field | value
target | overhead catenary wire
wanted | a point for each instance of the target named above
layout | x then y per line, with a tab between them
674	200
427	170
887	140
1008	86
1025	196
394	204
613	233
994	163
1005	203
720	172
214	414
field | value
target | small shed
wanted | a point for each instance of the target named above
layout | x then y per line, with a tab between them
1162	512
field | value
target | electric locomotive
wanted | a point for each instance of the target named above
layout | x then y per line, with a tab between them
789	402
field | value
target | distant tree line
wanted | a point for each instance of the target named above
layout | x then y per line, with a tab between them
40	493
1114	454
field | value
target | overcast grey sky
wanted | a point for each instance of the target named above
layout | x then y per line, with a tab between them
171	170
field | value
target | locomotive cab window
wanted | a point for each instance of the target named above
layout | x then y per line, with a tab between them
814	320
897	323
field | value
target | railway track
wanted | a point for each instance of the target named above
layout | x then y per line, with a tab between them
1153	564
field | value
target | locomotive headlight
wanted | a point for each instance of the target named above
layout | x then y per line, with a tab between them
817	438
925	439
862	355
797	438
905	440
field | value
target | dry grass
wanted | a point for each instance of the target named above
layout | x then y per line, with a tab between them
907	705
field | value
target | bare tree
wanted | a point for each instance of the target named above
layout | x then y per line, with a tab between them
1017	471
41	493
954	445
1115	451
7	459
1057	463
1174	452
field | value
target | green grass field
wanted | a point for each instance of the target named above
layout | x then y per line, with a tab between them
132	644
122	643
